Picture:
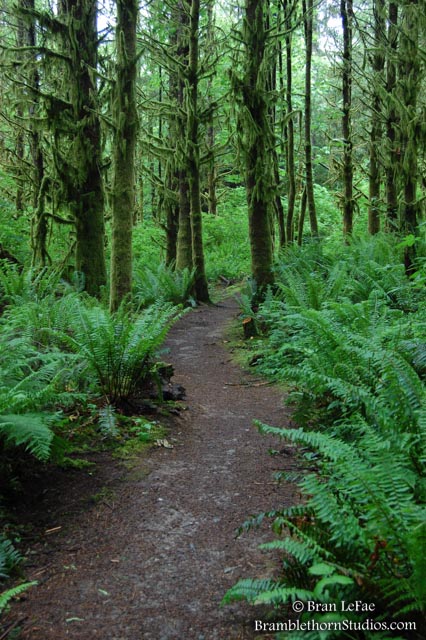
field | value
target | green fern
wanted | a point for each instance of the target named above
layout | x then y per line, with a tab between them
9	557
247	590
29	430
163	283
108	421
9	594
119	349
353	351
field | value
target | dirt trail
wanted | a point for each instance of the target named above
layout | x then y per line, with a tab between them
153	560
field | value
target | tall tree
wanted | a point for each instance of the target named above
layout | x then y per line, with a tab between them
255	141
391	116
77	137
193	156
409	84
346	12
125	134
184	239
377	63
289	11
308	10
210	137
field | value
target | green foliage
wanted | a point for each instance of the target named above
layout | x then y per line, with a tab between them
352	348
9	594
10	558
18	286
226	238
108	421
30	430
57	346
119	348
153	284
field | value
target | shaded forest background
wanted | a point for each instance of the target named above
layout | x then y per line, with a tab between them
121	121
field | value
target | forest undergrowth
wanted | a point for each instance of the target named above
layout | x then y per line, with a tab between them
345	330
74	377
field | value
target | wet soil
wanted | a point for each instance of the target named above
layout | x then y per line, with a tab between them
147	553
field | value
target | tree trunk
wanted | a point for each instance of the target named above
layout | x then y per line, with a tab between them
291	168
193	157
80	171
392	159
410	77
256	143
125	134
308	8
346	13
378	61
184	238
301	217
211	167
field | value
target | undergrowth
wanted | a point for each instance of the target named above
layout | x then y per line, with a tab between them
348	333
10	559
59	348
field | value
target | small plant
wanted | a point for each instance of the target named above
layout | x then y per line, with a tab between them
163	283
10	558
353	349
119	348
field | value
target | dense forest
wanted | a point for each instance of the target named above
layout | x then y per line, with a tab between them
156	154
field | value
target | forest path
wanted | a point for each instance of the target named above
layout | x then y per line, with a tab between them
153	560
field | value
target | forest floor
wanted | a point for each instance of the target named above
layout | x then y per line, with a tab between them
148	552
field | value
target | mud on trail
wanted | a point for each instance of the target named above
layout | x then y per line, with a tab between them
153	560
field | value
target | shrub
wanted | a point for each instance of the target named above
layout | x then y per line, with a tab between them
119	348
162	283
354	351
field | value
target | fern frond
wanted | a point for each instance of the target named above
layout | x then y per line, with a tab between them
31	430
247	589
9	594
108	421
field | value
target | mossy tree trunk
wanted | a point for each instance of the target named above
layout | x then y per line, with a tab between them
346	12
210	137
256	142
184	238
291	171
80	168
378	62
30	111
410	125
391	143
20	134
308	9
125	135
193	157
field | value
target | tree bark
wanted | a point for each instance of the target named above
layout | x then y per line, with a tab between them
409	84
125	135
378	62
291	167
308	8
193	157
392	159
80	171
256	144
346	12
